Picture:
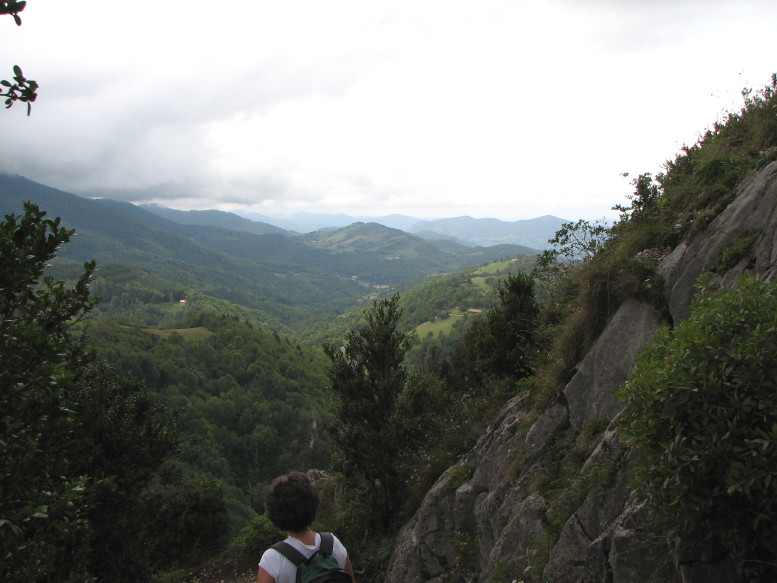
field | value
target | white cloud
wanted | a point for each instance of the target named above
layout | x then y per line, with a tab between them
503	108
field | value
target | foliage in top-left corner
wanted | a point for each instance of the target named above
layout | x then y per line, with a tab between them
21	89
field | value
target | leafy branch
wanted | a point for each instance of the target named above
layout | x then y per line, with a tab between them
12	8
573	244
24	90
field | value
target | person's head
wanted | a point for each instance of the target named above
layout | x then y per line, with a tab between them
292	502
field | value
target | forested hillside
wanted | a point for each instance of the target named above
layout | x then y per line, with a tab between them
137	297
251	404
82	497
108	235
226	263
436	309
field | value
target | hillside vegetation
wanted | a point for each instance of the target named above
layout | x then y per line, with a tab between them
703	439
673	207
441	303
225	403
108	235
251	404
665	210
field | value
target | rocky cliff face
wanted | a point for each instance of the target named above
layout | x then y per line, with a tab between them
494	526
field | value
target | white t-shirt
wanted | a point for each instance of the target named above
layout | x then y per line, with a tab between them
284	571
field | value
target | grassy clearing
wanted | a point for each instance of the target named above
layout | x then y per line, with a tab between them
199	333
170	309
492	268
481	283
435	328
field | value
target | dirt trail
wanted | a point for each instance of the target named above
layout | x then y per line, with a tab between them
227	570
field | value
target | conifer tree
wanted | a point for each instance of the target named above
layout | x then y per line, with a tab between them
378	414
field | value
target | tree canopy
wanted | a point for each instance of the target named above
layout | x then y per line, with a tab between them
79	444
378	412
42	505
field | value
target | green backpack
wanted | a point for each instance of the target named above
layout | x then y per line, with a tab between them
321	567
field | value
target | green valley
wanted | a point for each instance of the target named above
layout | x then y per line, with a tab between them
226	326
222	331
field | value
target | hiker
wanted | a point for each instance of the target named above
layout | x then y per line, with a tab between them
291	504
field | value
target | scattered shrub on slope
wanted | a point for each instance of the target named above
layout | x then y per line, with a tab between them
702	413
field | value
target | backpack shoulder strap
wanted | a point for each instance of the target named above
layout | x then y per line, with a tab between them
289	552
327	543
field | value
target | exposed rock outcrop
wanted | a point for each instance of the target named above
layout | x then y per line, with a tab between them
499	514
753	210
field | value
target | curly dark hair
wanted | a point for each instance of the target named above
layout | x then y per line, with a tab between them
292	502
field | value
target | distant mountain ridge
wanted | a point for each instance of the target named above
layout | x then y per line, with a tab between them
465	230
306	222
528	232
215	218
452	233
448	241
119	232
225	259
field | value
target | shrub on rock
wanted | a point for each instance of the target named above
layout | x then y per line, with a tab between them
702	414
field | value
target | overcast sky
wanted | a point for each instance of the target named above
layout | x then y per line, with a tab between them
507	109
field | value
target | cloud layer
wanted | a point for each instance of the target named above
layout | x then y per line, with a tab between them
507	109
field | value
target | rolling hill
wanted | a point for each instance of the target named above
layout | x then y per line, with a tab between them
288	279
120	232
111	235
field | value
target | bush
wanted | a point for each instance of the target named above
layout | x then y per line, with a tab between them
736	251
191	523
259	536
702	413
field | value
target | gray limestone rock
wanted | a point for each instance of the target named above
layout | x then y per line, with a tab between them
490	456
638	552
609	538
544	429
629	551
521	538
702	561
591	392
754	209
424	549
599	511
568	558
424	544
